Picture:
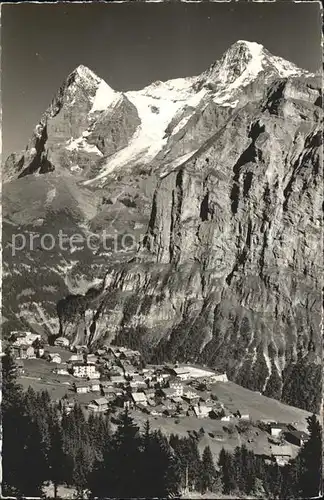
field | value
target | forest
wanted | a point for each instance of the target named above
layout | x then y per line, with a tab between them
43	444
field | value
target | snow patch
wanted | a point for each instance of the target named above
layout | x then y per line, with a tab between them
105	97
50	195
81	144
150	138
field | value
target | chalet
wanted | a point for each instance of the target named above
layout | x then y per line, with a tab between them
54	357
139	398
169	393
277	428
243	414
94	386
61	369
24	352
181	372
110	396
157	411
190	396
219	436
100	352
62	342
281	454
150	393
296	437
91	358
117	379
75	357
28	339
177	386
143	408
202	411
81	387
98	405
18	334
227	418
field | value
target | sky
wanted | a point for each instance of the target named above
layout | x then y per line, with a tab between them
133	44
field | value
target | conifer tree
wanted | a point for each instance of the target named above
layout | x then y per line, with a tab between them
228	473
311	460
208	471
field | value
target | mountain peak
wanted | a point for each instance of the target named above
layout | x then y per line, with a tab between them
242	64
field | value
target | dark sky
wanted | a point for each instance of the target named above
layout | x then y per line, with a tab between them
132	44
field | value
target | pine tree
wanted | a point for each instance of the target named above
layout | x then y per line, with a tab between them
310	460
228	473
208	472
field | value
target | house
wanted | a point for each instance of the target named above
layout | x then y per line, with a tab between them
91	358
117	379
61	369
79	349
81	369
15	334
218	377
54	357
81	387
62	342
94	386
110	396
98	405
24	352
100	352
157	411
276	429
150	393
31	337
39	351
139	398
75	357
181	372
243	414
190	396
296	437
94	374
177	386
227	418
281	454
169	393
202	411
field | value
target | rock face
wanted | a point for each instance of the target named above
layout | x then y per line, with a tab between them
227	272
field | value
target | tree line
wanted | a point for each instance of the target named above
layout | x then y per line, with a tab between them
42	444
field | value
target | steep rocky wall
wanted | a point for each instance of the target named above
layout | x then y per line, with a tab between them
229	273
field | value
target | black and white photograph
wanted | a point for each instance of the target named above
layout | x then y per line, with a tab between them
162	250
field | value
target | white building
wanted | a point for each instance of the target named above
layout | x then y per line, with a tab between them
177	385
84	370
54	357
202	411
139	398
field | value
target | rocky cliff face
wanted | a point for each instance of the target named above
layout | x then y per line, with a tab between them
228	271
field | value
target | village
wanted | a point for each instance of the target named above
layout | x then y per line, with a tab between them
113	378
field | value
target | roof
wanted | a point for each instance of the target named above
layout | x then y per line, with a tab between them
299	434
169	391
81	383
278	425
138	397
281	450
100	401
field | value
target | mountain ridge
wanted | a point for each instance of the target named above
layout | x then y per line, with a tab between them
223	201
